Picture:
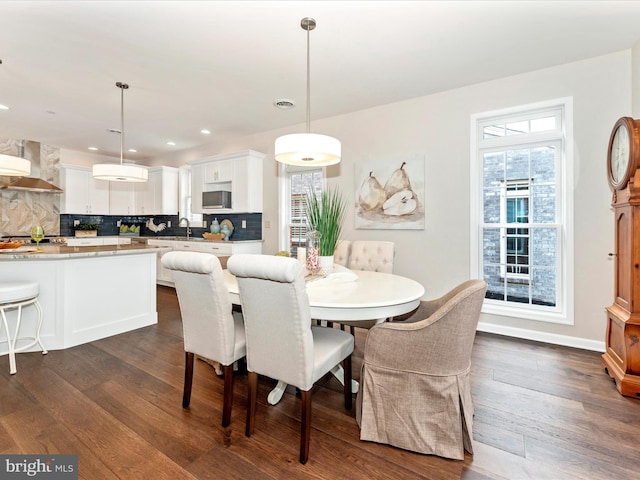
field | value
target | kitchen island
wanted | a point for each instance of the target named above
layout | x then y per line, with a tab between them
86	293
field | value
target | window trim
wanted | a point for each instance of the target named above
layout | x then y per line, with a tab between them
284	199
564	314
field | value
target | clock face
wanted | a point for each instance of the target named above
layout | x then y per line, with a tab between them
620	154
623	151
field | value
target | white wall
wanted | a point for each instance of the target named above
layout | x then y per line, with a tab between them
437	126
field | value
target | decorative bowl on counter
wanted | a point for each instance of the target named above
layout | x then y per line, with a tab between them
213	236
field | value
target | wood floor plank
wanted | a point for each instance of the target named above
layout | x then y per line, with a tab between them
118	447
37	432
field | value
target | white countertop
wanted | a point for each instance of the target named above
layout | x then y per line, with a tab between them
51	252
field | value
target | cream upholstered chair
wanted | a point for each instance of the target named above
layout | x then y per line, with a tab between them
375	256
414	385
371	255
341	253
210	329
281	343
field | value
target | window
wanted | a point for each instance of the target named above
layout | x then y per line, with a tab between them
298	184
521	211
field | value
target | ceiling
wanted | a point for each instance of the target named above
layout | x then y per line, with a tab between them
221	64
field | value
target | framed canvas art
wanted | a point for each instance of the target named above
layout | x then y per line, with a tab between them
390	194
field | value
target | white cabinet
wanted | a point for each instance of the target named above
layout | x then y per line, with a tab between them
122	198
165	276
96	241
218	171
82	194
240	173
158	196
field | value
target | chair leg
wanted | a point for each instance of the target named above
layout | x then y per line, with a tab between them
252	384
228	395
305	428
348	400
188	379
352	330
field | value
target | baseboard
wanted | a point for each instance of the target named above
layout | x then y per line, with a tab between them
555	339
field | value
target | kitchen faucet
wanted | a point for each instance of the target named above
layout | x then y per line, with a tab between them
188	229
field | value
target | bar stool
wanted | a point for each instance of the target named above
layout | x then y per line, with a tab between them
17	295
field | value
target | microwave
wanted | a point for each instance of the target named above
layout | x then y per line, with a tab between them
216	199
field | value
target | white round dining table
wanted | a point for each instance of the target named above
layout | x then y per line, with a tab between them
371	295
364	296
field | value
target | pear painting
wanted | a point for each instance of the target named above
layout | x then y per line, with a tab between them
396	205
372	195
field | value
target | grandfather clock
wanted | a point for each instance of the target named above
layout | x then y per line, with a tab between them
621	359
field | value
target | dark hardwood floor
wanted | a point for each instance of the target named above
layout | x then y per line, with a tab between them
542	412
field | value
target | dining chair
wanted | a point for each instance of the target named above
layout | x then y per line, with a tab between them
281	343
415	392
341	253
210	328
370	255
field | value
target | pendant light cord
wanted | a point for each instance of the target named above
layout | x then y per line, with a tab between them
308	24
122	87
308	83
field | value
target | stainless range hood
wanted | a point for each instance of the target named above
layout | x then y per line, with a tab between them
31	151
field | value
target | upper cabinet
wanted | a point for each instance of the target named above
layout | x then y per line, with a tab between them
158	196
239	173
85	195
82	194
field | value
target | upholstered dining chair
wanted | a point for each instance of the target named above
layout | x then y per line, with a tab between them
281	343
370	255
341	253
210	328
414	385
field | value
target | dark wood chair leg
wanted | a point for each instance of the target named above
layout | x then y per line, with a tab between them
329	324
228	395
188	379
348	400
252	384
352	330
305	428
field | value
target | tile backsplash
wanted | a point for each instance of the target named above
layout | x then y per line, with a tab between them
20	210
108	225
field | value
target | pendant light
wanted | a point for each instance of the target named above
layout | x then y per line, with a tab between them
307	149
11	166
120	172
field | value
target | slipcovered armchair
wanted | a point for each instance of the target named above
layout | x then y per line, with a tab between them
210	328
414	385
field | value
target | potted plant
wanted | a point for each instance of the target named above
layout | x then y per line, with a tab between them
326	214
86	230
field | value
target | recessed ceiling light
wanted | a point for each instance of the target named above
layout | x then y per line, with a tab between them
204	131
284	104
4	107
132	150
171	143
93	148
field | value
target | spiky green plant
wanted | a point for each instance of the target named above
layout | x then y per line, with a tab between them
325	214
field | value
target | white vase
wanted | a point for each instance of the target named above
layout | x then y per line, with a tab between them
326	264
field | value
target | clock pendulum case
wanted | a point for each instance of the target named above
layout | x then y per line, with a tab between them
621	359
